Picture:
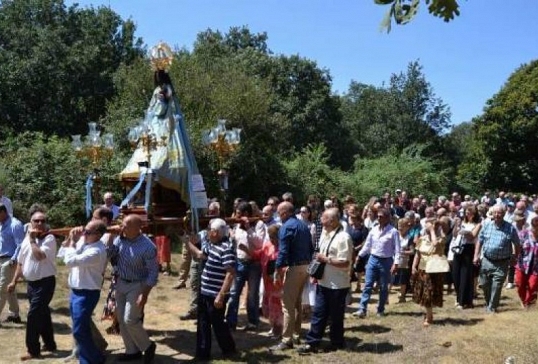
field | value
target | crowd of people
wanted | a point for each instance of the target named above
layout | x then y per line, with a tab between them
292	259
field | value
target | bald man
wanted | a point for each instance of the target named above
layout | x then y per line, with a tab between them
136	256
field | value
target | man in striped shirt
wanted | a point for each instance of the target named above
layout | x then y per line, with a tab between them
137	274
217	278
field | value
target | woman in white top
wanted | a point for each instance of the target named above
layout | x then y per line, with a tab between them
463	269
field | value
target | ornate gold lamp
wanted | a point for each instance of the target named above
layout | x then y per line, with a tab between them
97	149
224	142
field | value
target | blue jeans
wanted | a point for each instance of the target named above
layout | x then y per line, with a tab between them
329	303
250	272
82	303
377	269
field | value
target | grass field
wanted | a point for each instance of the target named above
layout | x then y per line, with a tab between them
468	336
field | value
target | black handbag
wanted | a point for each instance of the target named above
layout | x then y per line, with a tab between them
271	267
316	268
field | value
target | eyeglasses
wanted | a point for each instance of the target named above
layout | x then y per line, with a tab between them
39	221
88	232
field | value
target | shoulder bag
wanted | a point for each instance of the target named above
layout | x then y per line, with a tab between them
316	268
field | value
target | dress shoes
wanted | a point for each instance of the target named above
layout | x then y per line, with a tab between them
130	357
29	356
149	354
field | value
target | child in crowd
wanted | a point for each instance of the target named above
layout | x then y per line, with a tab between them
272	294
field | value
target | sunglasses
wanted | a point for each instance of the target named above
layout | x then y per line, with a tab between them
88	232
39	221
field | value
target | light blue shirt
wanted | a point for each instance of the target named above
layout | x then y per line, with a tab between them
383	243
136	259
11	237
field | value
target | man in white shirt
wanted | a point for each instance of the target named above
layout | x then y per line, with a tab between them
6	201
336	251
86	260
109	204
37	263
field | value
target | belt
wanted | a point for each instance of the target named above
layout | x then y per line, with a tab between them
301	262
497	260
378	257
129	280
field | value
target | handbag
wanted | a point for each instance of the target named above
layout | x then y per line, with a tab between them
316	268
437	264
271	267
456	245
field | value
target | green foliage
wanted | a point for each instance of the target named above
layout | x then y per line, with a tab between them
403	11
410	171
57	64
506	144
384	120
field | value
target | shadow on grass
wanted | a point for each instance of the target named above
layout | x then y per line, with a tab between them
62	311
357	345
458	321
406	313
61	328
370	329
184	342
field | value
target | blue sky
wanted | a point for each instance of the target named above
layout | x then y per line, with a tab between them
466	61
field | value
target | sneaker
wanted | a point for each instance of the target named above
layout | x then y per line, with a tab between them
509	286
360	314
13	319
491	310
296	340
459	307
381	314
281	347
307	349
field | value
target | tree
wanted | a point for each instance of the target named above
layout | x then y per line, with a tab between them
506	136
387	119
410	171
57	64
403	11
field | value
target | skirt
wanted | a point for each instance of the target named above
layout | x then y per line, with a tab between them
428	289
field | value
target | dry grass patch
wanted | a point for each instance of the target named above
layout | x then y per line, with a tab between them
468	336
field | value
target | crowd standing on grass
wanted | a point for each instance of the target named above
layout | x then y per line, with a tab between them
420	245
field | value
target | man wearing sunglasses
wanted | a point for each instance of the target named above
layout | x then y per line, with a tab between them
86	259
37	263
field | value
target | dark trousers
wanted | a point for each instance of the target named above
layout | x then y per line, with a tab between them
82	303
210	316
329	303
39	320
463	275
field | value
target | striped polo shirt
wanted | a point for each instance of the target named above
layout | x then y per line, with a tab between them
219	257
